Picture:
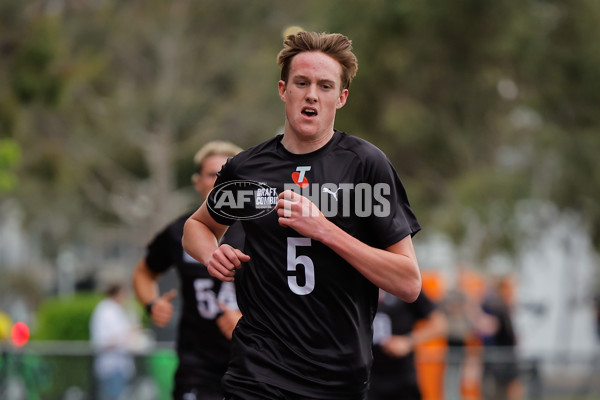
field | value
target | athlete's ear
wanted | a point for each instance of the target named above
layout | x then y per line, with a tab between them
197	184
281	86
342	99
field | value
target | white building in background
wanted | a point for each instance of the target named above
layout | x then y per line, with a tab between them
555	317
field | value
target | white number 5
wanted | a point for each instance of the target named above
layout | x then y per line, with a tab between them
293	261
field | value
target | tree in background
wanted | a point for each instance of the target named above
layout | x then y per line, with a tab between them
10	156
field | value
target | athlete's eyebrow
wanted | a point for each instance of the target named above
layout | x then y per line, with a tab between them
327	81
320	81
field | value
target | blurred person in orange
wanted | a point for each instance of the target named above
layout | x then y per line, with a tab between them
209	307
462	306
430	356
394	373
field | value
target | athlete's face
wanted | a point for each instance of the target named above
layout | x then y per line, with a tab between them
206	178
312	96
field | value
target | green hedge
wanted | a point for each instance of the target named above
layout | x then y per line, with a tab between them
66	318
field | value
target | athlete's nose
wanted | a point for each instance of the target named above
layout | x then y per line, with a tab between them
311	94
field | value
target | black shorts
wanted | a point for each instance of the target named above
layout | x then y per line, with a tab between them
253	390
408	392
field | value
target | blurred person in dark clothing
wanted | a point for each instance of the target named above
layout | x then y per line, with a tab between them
394	374
209	308
501	370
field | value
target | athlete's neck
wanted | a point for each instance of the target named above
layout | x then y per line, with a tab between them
296	145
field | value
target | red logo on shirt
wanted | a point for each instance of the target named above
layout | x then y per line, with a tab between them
299	178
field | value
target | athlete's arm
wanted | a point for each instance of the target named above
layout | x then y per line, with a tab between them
201	236
434	326
394	269
146	290
228	320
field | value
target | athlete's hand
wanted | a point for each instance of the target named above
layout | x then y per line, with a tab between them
228	320
398	346
223	263
162	309
299	213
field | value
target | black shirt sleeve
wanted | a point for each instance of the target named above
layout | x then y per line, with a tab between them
394	219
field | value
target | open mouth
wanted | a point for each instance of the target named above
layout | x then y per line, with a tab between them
310	112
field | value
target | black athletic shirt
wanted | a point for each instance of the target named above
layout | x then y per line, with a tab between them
307	313
202	349
391	376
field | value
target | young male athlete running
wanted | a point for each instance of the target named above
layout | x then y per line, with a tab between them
309	274
204	331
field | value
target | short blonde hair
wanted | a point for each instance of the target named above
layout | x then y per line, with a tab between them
335	45
214	148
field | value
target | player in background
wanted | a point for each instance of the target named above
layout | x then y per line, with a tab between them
308	284
394	372
209	309
501	378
